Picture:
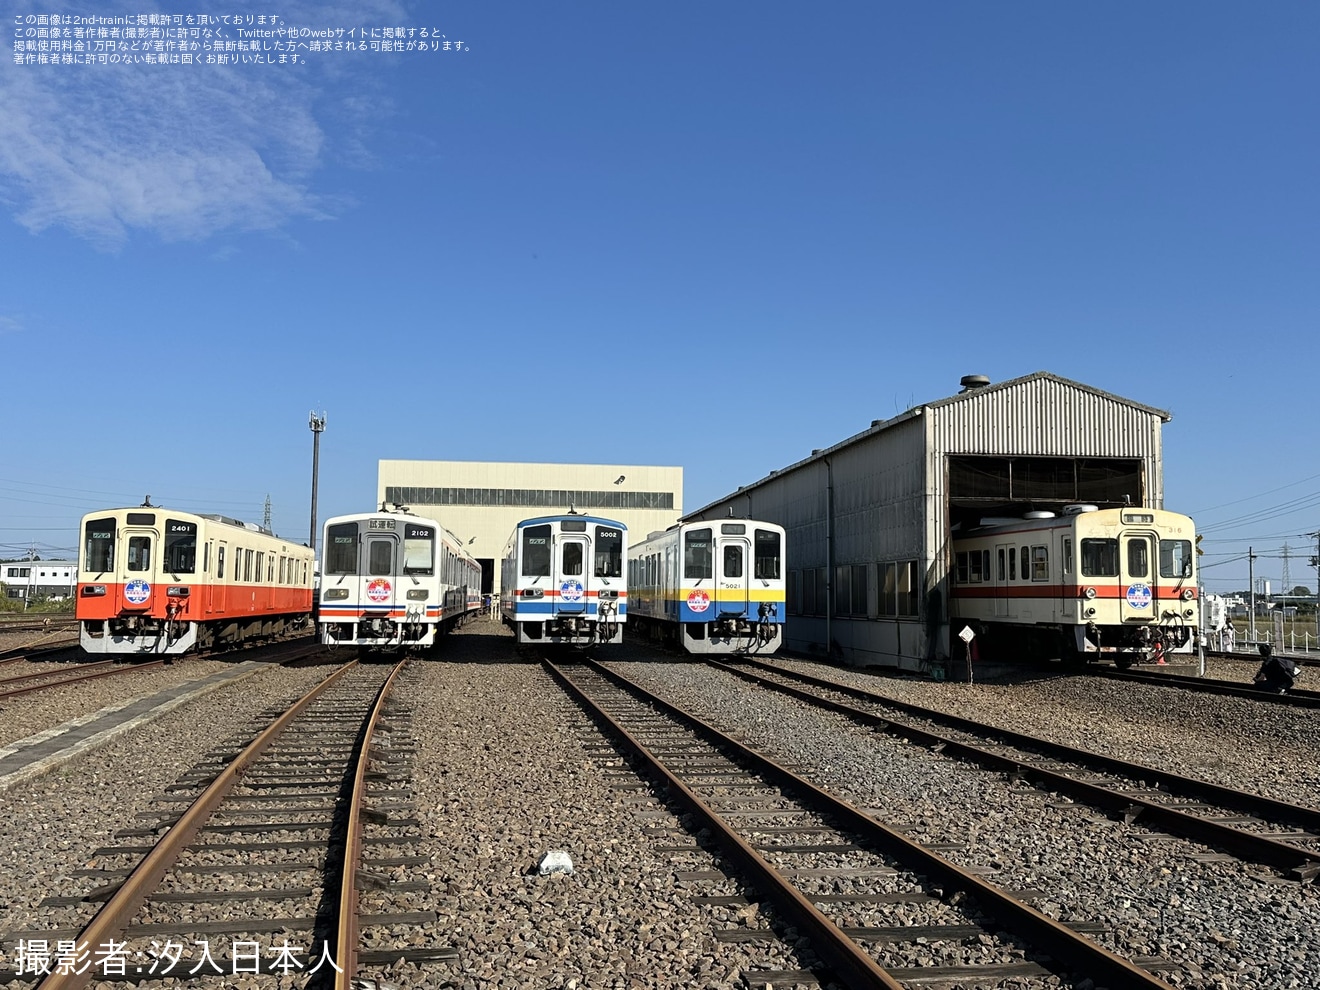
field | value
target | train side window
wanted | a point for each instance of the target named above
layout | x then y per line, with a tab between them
698	562
961	567
1138	557
974	567
536	551
1040	563
139	553
247	566
1026	563
572	559
1099	558
380	557
1012	563
767	555
206	557
341	549
99	550
985	566
261	560
220	562
999	561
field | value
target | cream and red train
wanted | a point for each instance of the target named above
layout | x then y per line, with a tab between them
1088	584
156	580
393	580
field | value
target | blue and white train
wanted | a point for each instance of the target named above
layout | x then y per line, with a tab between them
711	587
563	582
393	580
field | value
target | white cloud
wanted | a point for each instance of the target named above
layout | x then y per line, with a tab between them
180	151
9	325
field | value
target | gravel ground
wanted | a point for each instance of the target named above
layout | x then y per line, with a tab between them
1252	745
1226	924
510	770
55	822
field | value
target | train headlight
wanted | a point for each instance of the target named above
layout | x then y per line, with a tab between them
608	596
532	593
93	590
334	595
1187	594
1088	594
174	591
417	595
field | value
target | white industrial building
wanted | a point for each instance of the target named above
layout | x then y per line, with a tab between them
481	501
31	579
869	519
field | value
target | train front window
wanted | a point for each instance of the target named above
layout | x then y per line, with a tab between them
767	555
733	560
139	553
380	557
572	559
698	556
609	551
536	551
341	549
180	546
1099	558
1138	562
418	549
99	549
1176	558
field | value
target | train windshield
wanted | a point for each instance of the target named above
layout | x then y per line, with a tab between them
139	553
536	551
697	554
180	546
418	549
99	550
380	557
767	555
609	551
341	549
1176	558
1099	558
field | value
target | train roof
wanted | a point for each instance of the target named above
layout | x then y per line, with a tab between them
574	515
705	524
212	516
1102	516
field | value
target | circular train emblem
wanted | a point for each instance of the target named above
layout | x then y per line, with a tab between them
137	591
378	590
698	601
571	591
1138	595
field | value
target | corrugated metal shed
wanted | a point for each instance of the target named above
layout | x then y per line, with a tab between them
878	505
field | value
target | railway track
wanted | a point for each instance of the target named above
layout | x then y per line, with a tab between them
281	820
820	862
14	686
1248	826
1296	697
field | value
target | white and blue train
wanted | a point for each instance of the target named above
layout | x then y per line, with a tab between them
563	582
393	580
711	587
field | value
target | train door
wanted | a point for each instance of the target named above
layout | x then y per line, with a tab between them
1067	604
1000	576
219	597
379	589
137	565
1136	595
570	577
734	555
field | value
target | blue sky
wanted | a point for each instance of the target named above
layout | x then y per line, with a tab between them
559	244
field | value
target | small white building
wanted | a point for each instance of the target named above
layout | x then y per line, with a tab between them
30	579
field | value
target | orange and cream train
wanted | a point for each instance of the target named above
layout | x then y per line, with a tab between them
1091	583
157	580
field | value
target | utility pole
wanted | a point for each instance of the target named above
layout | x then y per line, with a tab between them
317	424
1251	578
1315	561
